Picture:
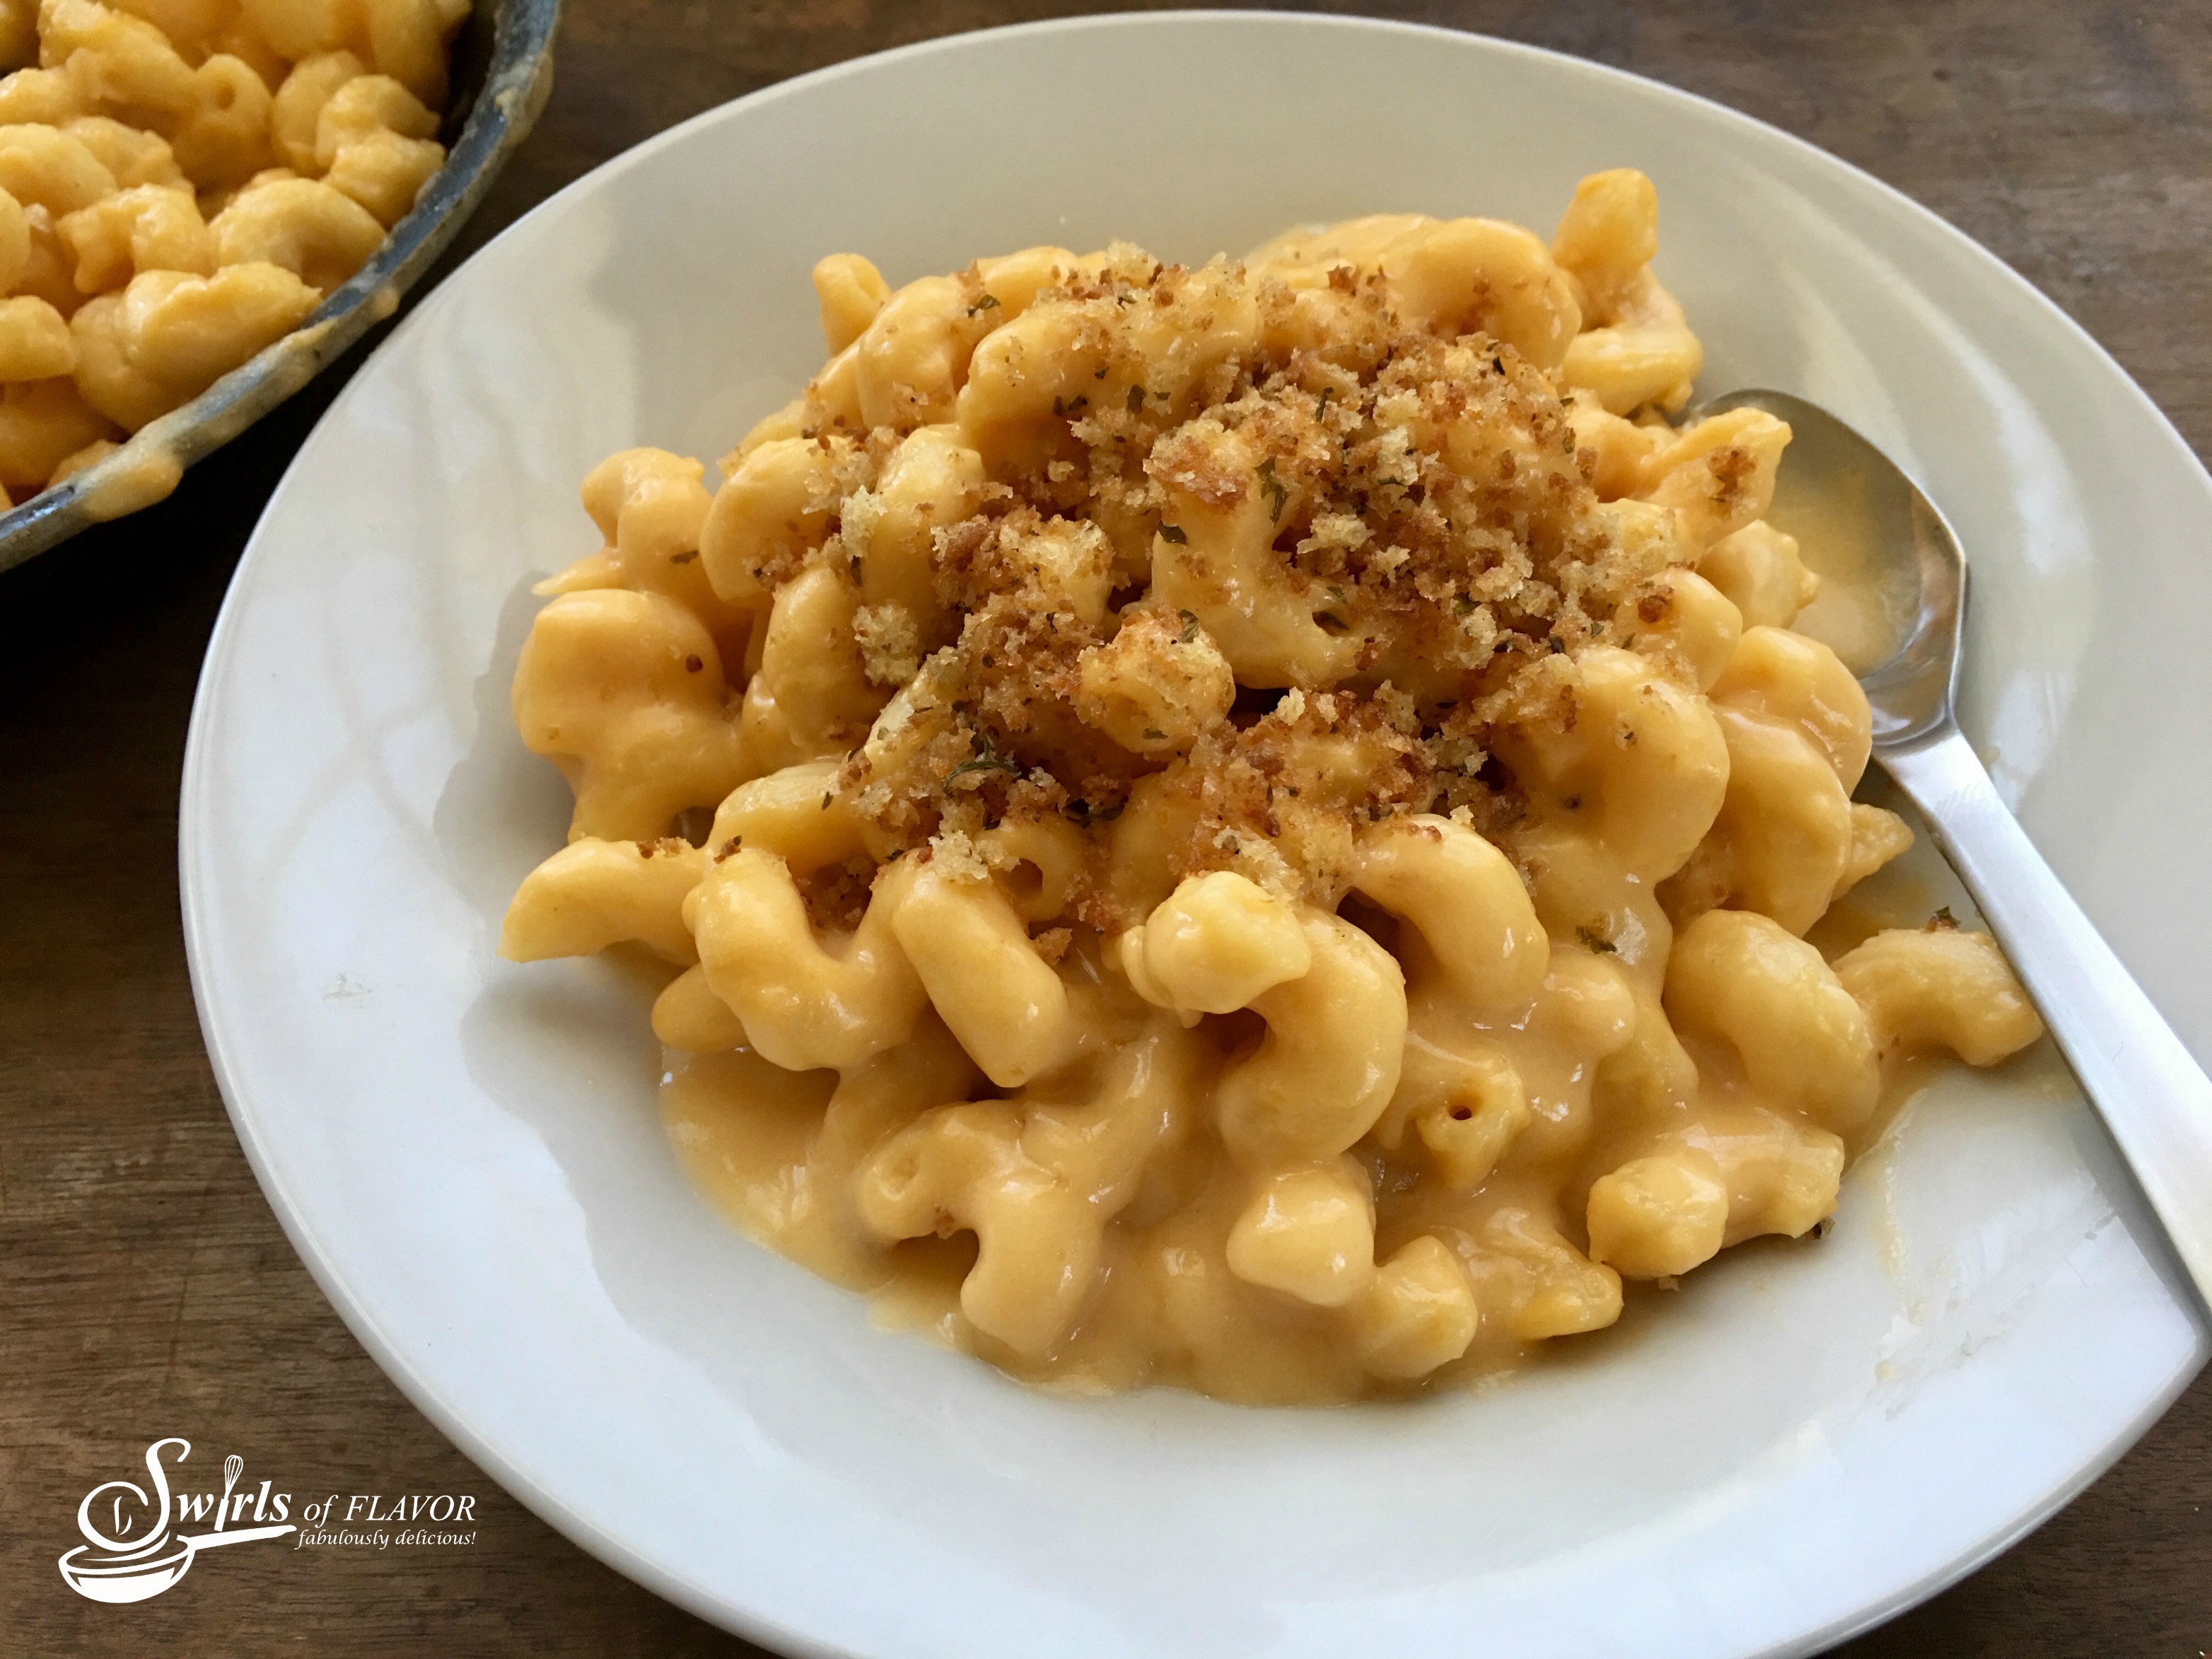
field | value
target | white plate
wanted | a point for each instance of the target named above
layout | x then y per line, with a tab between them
467	1154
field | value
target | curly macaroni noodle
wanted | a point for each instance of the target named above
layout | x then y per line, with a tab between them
1264	817
181	182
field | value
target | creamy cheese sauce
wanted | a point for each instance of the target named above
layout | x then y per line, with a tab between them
782	1162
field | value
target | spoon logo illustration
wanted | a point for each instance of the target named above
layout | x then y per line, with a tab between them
138	1556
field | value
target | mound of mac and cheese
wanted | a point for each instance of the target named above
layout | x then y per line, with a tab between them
1249	826
181	182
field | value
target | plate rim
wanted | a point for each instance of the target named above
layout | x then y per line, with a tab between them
578	1528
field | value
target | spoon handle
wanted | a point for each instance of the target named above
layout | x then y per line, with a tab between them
2153	1096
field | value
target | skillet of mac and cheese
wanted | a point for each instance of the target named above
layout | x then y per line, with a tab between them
1251	826
182	182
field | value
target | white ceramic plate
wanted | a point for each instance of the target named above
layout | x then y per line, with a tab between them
468	1156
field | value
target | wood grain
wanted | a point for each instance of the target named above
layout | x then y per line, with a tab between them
145	1288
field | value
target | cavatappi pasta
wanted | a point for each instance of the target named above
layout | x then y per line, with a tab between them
181	182
1263	816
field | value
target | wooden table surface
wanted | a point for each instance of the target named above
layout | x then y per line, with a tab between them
145	1288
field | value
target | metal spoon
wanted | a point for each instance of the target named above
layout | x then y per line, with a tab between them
2151	1095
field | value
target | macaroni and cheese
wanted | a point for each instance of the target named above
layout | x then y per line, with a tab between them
181	182
1251	826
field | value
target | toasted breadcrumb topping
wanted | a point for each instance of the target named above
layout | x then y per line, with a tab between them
1432	508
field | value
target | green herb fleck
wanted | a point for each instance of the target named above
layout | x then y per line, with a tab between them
1594	940
683	558
1463	605
1189	627
825	800
1279	493
1136	401
1082	813
1173	532
1320	408
1154	733
989	302
1942	921
988	759
982	763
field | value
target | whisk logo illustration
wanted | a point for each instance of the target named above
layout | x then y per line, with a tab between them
131	1550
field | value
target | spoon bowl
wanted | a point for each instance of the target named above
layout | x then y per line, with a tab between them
1894	603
